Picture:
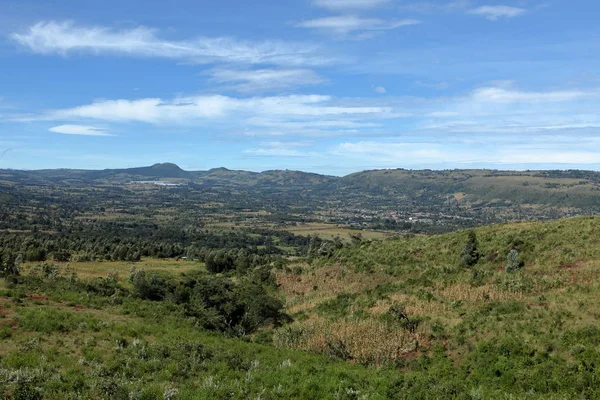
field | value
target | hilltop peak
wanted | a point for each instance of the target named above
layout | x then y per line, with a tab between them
166	165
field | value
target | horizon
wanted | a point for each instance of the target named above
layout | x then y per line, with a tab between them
298	170
324	86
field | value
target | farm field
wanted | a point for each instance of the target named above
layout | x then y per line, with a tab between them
330	231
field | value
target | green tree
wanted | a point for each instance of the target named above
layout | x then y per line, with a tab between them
470	254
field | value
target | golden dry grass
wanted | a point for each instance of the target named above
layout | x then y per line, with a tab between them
368	341
305	291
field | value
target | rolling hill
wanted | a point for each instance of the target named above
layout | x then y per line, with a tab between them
389	199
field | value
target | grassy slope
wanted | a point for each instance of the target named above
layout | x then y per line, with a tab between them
549	307
72	345
482	332
477	187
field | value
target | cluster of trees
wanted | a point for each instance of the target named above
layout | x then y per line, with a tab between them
236	306
234	303
120	242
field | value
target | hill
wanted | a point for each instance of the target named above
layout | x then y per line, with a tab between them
400	318
399	300
398	200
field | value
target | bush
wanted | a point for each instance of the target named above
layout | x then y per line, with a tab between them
153	288
513	261
236	307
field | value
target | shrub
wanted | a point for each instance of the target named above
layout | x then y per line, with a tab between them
513	261
237	307
153	288
337	349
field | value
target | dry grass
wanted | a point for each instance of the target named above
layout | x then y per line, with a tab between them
367	341
305	291
462	291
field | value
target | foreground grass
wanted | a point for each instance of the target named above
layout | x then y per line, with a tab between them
468	333
547	310
147	350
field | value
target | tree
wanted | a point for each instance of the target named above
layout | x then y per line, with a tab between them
10	265
470	254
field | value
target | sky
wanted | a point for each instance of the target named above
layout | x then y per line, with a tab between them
327	86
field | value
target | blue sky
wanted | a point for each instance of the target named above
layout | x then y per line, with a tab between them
329	86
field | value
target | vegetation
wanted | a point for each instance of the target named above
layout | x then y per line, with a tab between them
470	254
200	290
393	200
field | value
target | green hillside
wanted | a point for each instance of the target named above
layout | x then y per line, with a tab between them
409	302
411	317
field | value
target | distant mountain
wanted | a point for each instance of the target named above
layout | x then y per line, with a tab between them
156	171
469	188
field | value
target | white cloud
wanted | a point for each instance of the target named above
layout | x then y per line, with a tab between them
338	5
390	154
439	85
313	126
250	81
277	152
285	145
345	24
394	152
495	110
380	90
281	149
63	38
309	115
84	130
495	12
496	94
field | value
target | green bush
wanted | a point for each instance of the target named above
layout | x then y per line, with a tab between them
513	261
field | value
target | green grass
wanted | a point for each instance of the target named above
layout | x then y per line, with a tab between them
470	333
100	269
456	312
60	351
330	231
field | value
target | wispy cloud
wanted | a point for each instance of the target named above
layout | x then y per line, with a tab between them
264	80
438	85
277	152
84	130
495	12
380	90
281	149
302	115
345	24
495	94
154	110
63	38
495	110
340	5
285	145
385	154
